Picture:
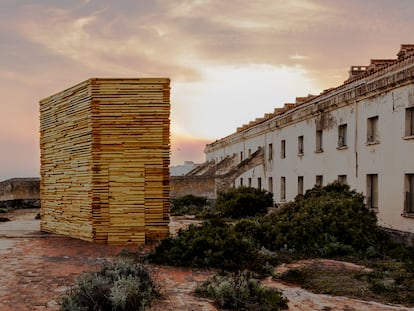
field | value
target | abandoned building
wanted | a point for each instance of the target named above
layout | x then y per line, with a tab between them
360	133
105	148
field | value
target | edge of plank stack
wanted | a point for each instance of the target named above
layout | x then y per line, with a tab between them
105	150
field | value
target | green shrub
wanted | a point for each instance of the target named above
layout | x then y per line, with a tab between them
122	286
326	221
188	205
213	244
243	202
239	291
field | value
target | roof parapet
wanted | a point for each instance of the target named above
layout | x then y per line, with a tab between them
406	50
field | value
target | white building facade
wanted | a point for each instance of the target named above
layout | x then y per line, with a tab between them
361	133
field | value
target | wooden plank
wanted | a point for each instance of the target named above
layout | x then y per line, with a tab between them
105	147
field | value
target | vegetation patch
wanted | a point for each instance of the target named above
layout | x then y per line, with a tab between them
240	291
242	202
213	244
188	205
389	282
123	285
326	221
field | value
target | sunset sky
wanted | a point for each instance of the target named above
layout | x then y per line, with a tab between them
229	61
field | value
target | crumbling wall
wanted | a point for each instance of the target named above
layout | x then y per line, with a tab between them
20	189
204	186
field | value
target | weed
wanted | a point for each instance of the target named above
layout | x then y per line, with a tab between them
122	285
240	291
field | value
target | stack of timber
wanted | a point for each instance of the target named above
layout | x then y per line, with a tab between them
105	148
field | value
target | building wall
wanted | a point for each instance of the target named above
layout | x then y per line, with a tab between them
104	160
384	94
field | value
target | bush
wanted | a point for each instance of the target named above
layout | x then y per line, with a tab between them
326	221
122	285
243	202
188	204
240	291
213	244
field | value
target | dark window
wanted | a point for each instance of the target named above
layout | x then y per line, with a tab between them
372	191
300	145
409	193
409	121
270	184
372	129
342	179
259	183
319	141
300	184
241	181
270	152
282	188
342	135
249	182
283	149
319	180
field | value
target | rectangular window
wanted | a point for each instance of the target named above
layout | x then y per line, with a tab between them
270	184
372	191
319	141
342	179
282	188
342	140
283	149
259	183
300	184
319	180
409	193
249	152
270	152
241	156
249	182
409	121
241	182
372	129
300	145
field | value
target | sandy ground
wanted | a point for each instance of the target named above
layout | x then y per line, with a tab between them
37	268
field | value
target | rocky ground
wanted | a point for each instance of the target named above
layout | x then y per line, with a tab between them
36	268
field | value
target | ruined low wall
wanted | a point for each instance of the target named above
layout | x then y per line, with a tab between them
400	237
20	189
204	186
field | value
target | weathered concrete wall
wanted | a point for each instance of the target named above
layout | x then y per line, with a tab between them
20	189
204	186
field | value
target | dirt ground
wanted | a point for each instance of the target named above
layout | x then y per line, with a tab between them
37	268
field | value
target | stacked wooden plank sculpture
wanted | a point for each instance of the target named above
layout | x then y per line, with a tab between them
105	148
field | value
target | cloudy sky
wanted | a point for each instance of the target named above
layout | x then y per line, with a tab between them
229	61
